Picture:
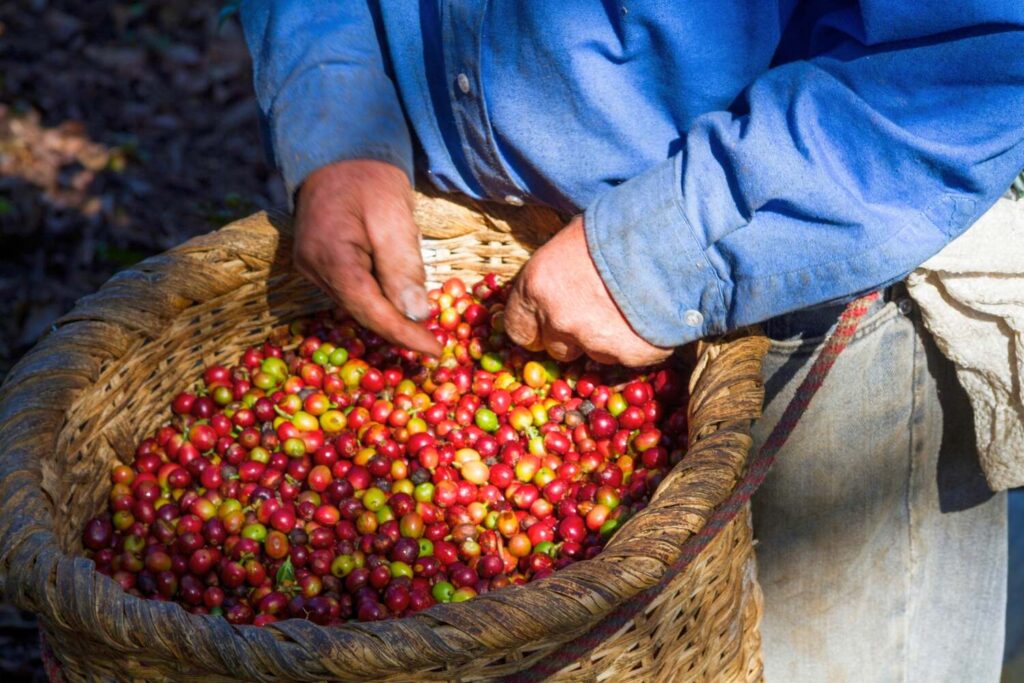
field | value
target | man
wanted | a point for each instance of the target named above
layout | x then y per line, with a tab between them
736	162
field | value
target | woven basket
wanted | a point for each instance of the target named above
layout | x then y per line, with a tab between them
80	401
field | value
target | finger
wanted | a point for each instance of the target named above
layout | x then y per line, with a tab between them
398	261
563	352
349	281
312	276
602	348
521	320
561	347
650	356
603	358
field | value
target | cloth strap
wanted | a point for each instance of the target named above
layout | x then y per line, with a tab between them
752	480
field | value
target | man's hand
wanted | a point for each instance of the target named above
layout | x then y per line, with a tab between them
355	239
560	303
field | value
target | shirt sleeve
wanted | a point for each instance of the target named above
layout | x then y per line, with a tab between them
833	176
322	86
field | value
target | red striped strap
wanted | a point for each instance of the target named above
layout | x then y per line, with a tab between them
756	472
51	665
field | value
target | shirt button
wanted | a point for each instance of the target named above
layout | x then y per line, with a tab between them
693	318
463	81
514	199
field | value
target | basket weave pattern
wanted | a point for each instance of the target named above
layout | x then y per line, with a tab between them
102	379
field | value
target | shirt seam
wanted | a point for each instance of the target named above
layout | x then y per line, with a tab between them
469	112
677	202
495	160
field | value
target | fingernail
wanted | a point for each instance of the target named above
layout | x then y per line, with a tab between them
414	303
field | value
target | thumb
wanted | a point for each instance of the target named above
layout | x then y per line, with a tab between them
521	319
398	262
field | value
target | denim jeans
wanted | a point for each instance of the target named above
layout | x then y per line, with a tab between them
1015	589
881	551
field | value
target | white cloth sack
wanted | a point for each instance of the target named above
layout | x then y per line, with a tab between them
971	296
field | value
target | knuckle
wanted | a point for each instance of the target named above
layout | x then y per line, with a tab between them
521	334
526	284
520	329
515	333
561	351
514	311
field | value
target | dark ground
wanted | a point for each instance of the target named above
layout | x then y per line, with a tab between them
125	128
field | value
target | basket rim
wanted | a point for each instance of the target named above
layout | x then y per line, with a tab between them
36	574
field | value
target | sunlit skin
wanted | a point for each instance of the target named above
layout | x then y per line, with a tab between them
356	240
541	316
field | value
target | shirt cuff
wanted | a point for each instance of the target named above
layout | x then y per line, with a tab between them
651	261
334	112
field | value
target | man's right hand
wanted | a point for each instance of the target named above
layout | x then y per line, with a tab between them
355	239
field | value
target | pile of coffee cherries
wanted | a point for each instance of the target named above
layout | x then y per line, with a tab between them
333	476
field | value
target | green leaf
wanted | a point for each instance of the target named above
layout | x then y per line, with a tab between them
117	255
286	574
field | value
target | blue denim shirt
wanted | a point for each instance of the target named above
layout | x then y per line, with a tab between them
735	159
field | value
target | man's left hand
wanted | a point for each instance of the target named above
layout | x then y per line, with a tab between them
559	303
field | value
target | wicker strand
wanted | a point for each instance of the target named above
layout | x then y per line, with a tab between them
71	409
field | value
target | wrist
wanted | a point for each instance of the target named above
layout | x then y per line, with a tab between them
343	178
